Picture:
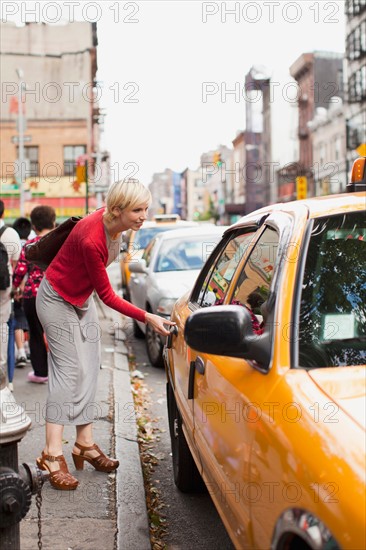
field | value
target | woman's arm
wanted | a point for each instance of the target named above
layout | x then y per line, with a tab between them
100	280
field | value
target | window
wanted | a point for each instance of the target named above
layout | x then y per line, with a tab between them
357	86
355	7
332	328
337	148
184	255
71	153
148	251
31	159
356	42
217	280
252	288
322	154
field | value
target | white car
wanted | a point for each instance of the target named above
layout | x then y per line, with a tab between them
168	268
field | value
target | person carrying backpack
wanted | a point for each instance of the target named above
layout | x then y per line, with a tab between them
10	241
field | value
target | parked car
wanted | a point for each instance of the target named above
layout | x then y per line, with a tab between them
168	268
266	376
135	242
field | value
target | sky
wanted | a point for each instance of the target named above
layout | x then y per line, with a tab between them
166	69
171	71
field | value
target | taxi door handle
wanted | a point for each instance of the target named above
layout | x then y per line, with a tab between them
172	332
196	365
199	365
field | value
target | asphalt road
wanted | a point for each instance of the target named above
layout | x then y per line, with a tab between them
192	520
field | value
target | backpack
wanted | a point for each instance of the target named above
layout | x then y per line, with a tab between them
4	268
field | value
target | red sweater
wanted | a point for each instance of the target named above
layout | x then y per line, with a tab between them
79	267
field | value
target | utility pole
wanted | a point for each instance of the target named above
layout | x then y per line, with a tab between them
86	188
21	130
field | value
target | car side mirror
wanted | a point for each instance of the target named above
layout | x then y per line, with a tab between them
227	331
124	247
137	266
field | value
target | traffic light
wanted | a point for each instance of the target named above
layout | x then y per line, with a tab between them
217	158
301	187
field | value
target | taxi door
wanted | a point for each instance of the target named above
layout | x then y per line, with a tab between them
228	393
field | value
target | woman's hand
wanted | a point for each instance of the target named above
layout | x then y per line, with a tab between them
158	323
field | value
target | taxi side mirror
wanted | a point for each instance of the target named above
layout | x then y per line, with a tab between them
227	331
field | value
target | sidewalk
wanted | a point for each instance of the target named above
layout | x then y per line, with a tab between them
107	510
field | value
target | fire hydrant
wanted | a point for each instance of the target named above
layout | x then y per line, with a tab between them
17	483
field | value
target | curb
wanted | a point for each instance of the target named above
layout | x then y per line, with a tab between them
132	519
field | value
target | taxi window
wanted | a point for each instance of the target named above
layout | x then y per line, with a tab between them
216	283
332	329
252	288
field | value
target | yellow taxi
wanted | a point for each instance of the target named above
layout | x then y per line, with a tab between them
135	242
266	376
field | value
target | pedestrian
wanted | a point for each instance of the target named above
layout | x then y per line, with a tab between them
66	308
20	327
10	239
26	280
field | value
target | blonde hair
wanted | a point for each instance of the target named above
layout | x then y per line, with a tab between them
126	194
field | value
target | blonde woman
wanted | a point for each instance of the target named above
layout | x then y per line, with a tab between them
66	308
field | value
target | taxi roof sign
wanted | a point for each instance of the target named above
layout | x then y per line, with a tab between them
358	176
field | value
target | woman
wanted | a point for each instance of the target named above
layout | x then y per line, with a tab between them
67	311
29	276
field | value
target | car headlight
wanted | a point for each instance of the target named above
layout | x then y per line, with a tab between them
165	306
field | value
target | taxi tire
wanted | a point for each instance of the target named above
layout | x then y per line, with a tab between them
186	475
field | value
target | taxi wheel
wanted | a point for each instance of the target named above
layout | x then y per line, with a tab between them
154	347
186	475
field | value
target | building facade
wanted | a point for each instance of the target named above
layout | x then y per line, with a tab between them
50	97
356	79
329	144
195	198
161	188
319	76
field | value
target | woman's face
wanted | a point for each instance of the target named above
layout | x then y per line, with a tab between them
132	219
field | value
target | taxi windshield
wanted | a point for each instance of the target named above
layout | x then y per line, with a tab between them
332	330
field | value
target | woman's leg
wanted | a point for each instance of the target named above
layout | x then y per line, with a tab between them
85	449
54	433
53	461
84	436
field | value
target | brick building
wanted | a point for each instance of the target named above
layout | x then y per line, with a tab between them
320	78
50	72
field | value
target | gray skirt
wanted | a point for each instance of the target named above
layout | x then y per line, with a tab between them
73	335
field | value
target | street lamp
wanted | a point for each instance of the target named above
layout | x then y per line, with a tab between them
21	130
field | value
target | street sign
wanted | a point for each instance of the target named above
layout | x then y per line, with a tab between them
361	150
26	139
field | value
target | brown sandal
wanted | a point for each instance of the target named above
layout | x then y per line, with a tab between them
101	462
60	479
